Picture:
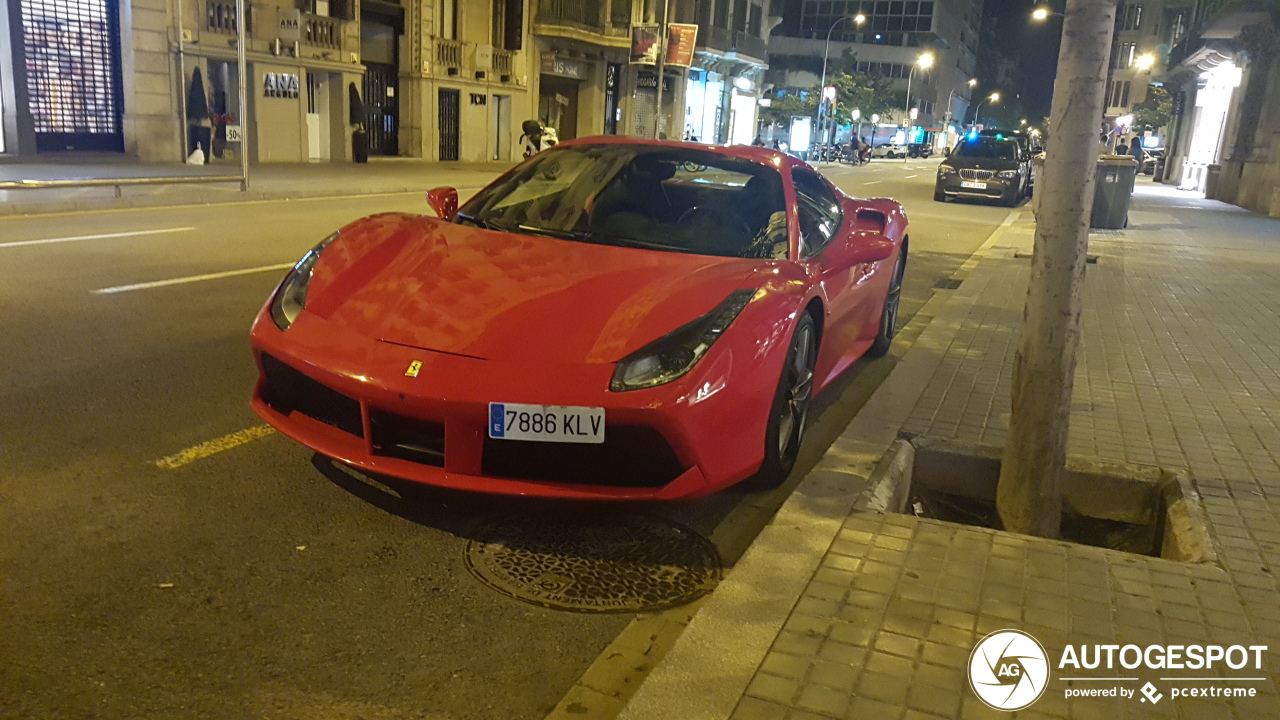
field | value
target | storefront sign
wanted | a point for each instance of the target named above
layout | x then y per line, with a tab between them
681	39
649	79
279	85
552	65
290	25
644	44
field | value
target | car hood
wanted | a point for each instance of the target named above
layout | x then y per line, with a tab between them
420	282
975	163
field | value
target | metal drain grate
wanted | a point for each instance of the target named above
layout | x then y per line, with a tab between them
609	565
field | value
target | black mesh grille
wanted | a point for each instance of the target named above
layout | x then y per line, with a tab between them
629	457
288	391
420	441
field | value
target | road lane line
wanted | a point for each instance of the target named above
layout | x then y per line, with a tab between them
872	182
911	176
205	449
78	238
187	206
191	279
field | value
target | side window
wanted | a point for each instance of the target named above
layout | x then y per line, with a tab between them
820	214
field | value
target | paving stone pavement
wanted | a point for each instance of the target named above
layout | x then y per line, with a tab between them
1179	367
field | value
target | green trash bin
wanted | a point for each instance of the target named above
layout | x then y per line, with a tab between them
1113	191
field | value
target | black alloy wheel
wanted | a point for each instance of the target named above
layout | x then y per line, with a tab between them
790	409
889	315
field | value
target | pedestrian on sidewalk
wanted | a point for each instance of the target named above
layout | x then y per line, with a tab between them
1135	149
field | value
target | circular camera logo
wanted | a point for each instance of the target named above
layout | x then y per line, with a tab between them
1008	670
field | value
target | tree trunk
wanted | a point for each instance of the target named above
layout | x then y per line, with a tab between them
1029	496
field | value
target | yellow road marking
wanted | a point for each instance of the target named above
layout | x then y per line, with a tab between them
205	449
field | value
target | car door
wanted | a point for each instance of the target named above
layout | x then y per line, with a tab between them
824	244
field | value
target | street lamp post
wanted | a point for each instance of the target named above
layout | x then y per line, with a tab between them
973	82
924	62
993	97
822	86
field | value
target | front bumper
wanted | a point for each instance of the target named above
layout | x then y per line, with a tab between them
347	397
996	188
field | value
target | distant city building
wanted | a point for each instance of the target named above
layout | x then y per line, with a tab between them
889	40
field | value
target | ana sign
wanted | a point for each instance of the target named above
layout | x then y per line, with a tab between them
290	25
279	85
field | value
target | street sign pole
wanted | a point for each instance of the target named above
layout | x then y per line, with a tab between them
242	66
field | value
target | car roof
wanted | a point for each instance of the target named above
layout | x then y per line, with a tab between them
1006	133
762	155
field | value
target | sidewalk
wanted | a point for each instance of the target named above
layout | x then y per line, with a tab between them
839	611
266	182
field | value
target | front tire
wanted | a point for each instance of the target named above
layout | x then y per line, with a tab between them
790	407
889	314
939	195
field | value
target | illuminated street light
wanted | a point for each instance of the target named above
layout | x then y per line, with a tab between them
993	97
1040	14
924	62
1145	61
973	82
1024	121
826	50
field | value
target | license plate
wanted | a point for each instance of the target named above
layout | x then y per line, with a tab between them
546	423
974	185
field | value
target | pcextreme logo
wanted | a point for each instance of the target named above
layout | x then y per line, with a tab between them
1009	670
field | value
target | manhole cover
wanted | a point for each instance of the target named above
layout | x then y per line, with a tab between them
617	564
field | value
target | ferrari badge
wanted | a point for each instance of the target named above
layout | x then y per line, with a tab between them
414	367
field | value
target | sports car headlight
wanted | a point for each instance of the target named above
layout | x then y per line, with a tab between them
1008	174
292	295
674	354
945	169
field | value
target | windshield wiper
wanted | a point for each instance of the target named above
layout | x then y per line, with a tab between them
480	222
579	235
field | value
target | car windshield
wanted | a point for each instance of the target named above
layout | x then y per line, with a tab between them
987	147
660	198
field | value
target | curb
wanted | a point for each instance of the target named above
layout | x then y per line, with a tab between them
752	603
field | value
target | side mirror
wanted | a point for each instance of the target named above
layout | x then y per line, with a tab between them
444	200
868	249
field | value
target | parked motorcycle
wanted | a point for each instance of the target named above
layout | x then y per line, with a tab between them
537	137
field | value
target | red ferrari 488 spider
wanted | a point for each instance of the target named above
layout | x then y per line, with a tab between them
614	319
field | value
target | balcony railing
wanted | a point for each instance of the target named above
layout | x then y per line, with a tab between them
503	61
750	46
714	38
321	31
585	13
449	53
220	16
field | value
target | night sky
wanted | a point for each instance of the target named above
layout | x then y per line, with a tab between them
1034	46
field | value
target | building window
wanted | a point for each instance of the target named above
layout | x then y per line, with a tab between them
1118	94
449	19
1129	17
888	18
1125	53
508	24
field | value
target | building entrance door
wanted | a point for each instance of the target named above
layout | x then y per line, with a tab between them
450	102
382	102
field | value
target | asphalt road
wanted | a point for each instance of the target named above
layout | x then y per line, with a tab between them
261	581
